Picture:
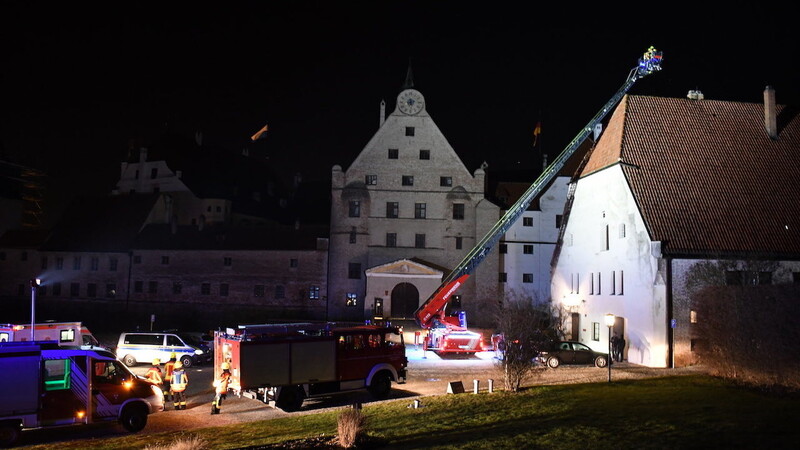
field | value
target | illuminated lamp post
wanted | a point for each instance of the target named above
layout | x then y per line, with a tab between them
610	324
35	282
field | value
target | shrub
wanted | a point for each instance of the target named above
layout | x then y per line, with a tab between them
350	426
182	443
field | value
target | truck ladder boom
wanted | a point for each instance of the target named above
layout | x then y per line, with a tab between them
650	62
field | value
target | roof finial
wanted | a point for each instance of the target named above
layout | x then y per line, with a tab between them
409	77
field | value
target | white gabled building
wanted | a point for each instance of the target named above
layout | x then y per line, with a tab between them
673	182
405	210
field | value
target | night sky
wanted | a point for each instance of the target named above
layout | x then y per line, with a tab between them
79	82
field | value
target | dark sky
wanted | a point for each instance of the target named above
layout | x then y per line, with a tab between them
79	82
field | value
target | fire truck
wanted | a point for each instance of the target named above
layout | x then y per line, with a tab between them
449	333
282	364
46	385
67	334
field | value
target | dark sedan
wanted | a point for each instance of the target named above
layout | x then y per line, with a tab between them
570	352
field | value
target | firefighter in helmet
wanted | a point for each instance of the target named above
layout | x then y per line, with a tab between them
169	367
221	387
154	376
178	386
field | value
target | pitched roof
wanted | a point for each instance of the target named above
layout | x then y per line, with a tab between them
705	175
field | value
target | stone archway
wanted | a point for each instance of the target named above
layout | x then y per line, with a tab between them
405	300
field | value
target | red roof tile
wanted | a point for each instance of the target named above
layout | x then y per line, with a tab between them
705	175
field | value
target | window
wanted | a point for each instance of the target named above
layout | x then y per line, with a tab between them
280	291
293	262
795	277
591	283
94	263
112	264
419	240
393	153
76	263
44	262
527	278
392	210
622	230
313	293
559	218
599	284
527	221
424	154
57	374
354	271
138	286
258	290
747	278
353	236
621	289
223	289
391	239
408	180
605	238
227	261
137	259
503	248
595	331
177	287
59	263
56	289
503	277
153	173
613	282
458	211
2	256
527	249
693	316
419	210
205	289
354	208
351	300
459	242
152	287
445	181
409	131
136	175
371	180
111	290
91	290
165	260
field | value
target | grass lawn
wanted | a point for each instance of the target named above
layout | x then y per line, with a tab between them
670	412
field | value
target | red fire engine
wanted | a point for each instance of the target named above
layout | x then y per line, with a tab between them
282	364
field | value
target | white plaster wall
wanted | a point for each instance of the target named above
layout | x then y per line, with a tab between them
603	199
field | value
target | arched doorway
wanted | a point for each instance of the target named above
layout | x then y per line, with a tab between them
405	300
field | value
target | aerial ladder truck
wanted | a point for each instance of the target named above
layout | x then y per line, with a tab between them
449	334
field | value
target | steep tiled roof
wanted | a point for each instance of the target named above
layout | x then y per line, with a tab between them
705	175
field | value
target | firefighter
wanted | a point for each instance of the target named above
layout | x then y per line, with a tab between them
168	368
221	388
153	375
178	386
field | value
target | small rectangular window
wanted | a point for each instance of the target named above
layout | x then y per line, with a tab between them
223	289
112	264
2	256
205	289
44	262
527	221
621	283
527	278
111	290
613	282
137	259
409	131
280	292
371	180
76	263
391	239
153	173
152	287
177	287
165	260
503	277
595	331
57	374
393	153
605	238
420	210
56	289
258	290
622	230
351	300
693	316
445	181
293	262
503	248
353	236
138	286
91	290
354	208
354	271
313	293
94	263
419	240
74	289
459	242
59	263
408	180
227	261
425	154
527	249
458	211
392	210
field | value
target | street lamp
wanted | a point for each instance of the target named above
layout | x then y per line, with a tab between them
610	319
35	282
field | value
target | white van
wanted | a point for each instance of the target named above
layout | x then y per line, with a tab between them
143	347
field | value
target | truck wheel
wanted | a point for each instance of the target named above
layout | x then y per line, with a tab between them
290	398
9	433
187	361
133	418
129	360
381	385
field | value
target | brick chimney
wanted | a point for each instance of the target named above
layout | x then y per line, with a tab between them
770	113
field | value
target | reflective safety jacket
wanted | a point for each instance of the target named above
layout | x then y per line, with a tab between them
154	375
221	383
168	368
179	380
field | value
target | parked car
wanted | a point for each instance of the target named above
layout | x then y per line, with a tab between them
142	347
571	352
